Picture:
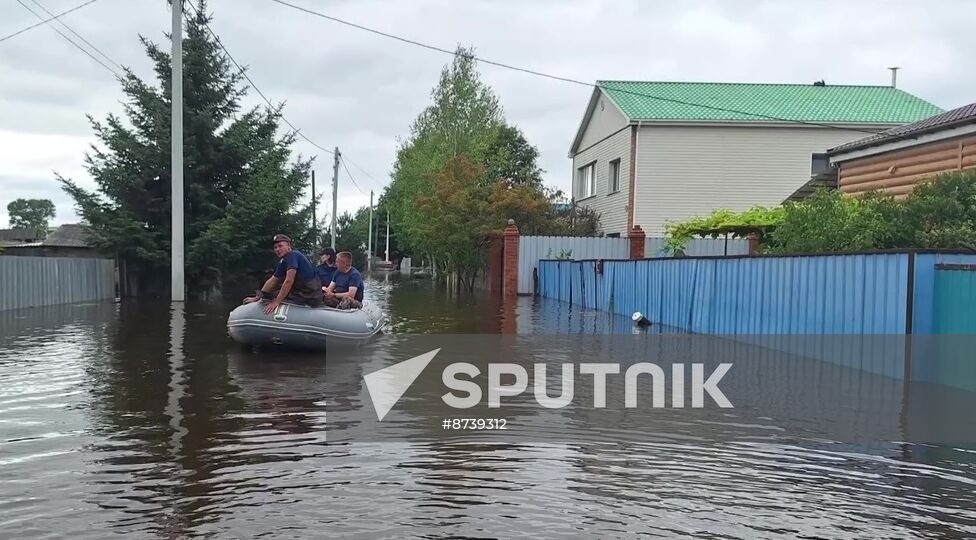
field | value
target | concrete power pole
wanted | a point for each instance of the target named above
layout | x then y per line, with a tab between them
335	193
315	223
369	242
387	235
177	283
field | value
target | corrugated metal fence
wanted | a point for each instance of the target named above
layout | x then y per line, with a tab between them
532	249
44	281
864	305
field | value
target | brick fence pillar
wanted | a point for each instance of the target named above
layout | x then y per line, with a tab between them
636	236
753	240
495	264
510	270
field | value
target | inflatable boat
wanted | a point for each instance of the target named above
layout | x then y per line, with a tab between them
301	327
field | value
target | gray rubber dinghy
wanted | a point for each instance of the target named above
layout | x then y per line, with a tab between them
301	327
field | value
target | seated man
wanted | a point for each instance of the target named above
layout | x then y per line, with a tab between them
346	289
326	267
294	279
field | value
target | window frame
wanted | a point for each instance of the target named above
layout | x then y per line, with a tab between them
580	194
818	156
613	180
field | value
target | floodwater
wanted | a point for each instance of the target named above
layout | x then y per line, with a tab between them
137	419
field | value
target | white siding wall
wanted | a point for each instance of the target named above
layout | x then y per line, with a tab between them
611	207
683	172
603	123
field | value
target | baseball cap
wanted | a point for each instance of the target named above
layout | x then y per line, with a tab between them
280	238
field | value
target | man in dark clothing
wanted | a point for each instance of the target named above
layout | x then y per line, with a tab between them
327	267
346	289
294	279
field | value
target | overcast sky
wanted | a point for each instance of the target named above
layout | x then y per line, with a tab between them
360	91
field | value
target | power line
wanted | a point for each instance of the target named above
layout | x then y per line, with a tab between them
362	170
65	12
343	161
560	78
79	36
248	79
79	47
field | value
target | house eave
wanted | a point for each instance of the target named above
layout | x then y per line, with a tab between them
764	123
915	139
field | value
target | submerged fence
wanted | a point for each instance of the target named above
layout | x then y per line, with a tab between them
865	305
533	249
44	281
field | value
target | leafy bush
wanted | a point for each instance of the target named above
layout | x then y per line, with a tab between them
939	213
719	223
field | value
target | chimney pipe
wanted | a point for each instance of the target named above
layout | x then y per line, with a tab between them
894	76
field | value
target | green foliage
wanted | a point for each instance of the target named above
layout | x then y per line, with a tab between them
829	221
564	254
722	222
462	140
239	182
939	213
31	214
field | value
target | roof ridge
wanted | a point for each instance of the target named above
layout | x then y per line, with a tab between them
599	81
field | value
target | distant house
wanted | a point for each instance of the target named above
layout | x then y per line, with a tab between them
13	237
69	240
895	160
647	153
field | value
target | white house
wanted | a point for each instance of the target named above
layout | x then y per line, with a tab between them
647	153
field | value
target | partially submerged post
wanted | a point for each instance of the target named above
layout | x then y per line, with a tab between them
511	258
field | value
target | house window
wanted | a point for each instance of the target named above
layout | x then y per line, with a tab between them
819	164
614	179
586	181
613	235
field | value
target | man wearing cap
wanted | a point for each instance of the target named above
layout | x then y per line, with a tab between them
326	267
294	279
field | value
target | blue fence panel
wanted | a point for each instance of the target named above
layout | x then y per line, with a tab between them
829	294
923	321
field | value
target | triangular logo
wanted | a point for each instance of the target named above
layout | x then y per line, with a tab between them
386	386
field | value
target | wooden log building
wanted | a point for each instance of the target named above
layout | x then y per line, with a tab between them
894	161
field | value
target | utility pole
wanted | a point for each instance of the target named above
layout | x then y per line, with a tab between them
335	193
387	235
177	284
369	242
315	223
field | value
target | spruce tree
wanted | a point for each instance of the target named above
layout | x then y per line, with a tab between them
241	185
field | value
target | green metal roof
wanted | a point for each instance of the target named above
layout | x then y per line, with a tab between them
695	101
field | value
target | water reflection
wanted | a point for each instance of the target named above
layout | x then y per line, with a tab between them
146	420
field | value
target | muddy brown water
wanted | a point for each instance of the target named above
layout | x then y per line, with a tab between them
113	420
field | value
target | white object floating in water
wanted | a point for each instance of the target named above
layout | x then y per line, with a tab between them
640	319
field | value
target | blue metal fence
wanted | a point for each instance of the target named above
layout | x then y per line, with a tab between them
837	294
885	303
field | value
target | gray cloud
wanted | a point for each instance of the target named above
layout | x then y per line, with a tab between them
360	91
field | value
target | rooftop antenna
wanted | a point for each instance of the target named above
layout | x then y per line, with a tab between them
894	76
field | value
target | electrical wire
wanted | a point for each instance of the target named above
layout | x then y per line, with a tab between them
79	36
561	78
59	15
342	159
79	47
243	72
362	170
